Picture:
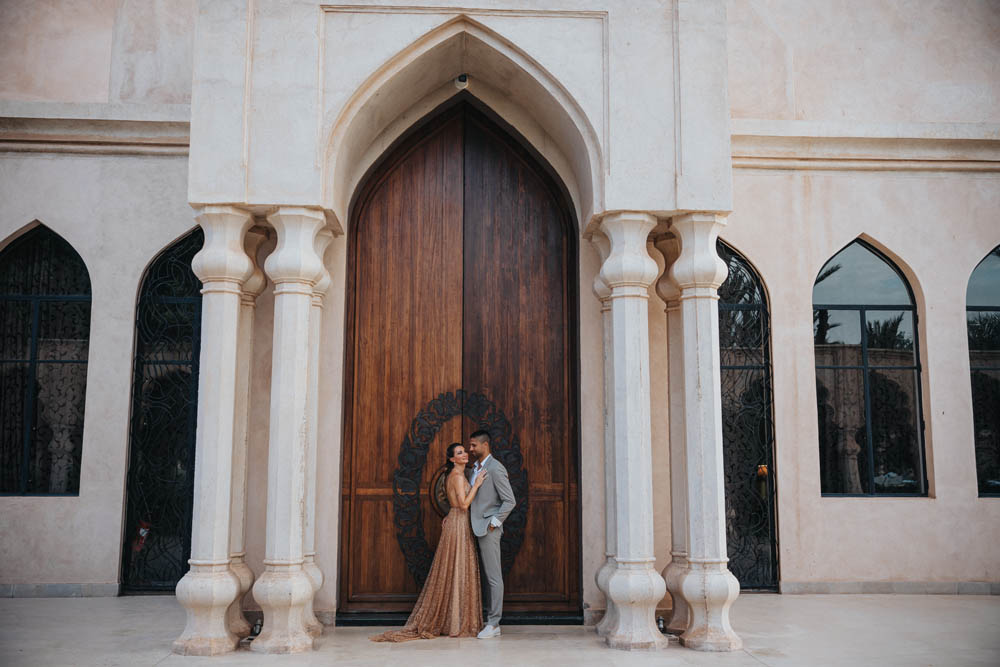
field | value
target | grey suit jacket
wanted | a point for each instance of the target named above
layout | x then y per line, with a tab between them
494	498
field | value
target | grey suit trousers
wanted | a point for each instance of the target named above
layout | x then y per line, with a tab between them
489	551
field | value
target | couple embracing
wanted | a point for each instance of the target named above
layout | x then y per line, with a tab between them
480	498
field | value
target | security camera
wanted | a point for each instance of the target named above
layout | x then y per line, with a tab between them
462	81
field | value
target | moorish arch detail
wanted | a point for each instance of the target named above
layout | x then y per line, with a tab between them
499	72
45	310
460	311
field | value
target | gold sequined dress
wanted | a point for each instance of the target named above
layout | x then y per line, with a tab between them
450	603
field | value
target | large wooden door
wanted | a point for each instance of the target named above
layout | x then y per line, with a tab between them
461	316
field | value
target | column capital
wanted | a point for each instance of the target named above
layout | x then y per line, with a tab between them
699	264
628	267
323	239
222	259
255	284
294	260
666	287
603	246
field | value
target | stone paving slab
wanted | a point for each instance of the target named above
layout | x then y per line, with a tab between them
823	630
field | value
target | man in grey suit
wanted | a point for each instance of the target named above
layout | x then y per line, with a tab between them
489	508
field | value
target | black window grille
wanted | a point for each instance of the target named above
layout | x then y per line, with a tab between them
160	486
983	321
44	343
867	377
747	425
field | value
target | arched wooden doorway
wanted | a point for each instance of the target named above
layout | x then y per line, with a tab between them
461	315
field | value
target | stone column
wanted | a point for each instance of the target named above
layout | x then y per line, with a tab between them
210	586
634	585
603	292
284	588
252	288
708	586
669	246
315	575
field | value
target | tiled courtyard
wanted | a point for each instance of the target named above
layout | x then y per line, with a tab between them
879	630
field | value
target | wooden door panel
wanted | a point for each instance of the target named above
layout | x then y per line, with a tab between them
405	333
516	336
408	314
372	579
459	279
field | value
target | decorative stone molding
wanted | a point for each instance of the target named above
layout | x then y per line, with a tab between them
252	288
313	625
603	292
210	586
89	136
633	585
284	588
668	290
707	585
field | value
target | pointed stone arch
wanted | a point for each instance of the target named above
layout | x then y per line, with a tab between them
500	75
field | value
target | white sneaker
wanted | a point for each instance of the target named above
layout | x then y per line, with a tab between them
489	632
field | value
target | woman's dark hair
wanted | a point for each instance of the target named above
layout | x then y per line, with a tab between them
449	464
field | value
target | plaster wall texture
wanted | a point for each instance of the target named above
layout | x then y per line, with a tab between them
865	60
936	227
103	51
118	213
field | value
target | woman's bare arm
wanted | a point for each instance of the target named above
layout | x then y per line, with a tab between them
455	496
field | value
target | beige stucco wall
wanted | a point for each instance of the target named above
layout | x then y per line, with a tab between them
882	61
937	227
97	51
118	213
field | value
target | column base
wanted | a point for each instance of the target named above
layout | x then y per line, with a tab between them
282	592
237	623
635	588
710	590
672	575
205	592
611	613
313	625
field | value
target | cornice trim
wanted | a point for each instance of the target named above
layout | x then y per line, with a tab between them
91	136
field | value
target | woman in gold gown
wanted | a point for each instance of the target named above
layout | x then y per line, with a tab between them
450	603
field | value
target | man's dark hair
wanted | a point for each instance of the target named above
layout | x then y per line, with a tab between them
481	435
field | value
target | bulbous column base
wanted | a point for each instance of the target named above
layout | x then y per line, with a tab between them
206	592
710	590
313	625
672	575
611	612
237	623
282	592
635	589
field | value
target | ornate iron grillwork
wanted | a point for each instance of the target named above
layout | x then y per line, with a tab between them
160	491
44	342
983	319
747	426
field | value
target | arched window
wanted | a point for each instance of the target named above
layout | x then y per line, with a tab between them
867	377
747	424
983	313
44	341
160	487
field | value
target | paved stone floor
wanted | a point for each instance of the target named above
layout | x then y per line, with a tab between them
777	630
